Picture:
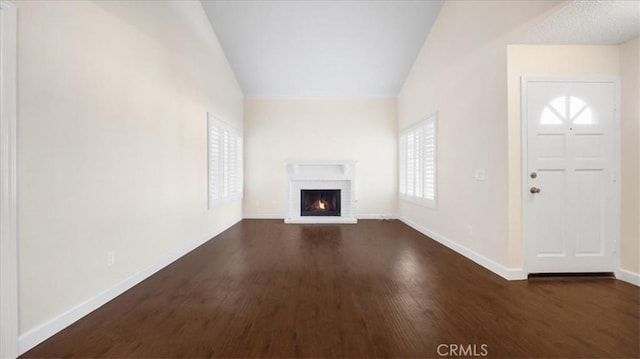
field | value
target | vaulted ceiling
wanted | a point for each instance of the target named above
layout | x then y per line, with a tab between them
321	48
361	48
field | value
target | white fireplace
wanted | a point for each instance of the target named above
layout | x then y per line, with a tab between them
312	190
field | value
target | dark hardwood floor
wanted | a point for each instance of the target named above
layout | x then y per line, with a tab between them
375	289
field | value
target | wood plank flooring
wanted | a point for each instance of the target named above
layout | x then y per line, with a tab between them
375	289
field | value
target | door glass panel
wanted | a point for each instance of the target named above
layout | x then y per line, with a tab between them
580	112
557	111
575	105
560	105
585	118
549	117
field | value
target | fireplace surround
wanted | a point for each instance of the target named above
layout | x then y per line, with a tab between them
321	192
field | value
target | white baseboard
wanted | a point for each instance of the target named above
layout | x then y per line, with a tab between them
385	216
279	216
41	333
499	269
628	276
263	216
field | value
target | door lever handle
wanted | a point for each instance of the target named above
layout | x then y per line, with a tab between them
534	190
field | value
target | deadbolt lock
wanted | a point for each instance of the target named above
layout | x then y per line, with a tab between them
534	175
534	190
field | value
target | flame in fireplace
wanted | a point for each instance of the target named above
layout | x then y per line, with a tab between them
321	205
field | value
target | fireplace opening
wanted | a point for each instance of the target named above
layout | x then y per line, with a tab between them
320	202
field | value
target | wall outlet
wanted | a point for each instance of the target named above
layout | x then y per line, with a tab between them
480	175
470	230
111	258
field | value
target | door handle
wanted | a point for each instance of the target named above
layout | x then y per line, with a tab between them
534	190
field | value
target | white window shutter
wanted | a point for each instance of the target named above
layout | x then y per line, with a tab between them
429	165
411	151
225	161
417	148
239	167
402	180
214	161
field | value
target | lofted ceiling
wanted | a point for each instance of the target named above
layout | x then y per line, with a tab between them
321	48
331	48
598	22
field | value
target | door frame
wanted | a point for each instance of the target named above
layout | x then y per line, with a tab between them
525	80
9	346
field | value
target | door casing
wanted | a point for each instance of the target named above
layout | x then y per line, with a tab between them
9	323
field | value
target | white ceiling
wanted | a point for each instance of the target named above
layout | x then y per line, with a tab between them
601	22
366	48
321	48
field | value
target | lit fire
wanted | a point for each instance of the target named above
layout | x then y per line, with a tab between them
321	205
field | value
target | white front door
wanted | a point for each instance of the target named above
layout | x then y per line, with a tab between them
570	190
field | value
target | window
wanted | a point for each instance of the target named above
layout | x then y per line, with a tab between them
418	162
225	161
567	108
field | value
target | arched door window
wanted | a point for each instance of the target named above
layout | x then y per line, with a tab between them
567	108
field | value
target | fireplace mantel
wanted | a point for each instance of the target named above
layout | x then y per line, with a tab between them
319	175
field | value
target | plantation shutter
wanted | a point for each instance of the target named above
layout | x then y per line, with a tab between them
417	149
225	161
214	161
403	165
239	176
429	163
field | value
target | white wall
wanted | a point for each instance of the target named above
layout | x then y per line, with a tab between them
112	110
461	73
277	130
630	156
549	61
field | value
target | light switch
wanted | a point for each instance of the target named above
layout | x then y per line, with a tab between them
480	175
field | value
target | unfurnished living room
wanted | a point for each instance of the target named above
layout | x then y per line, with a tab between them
319	179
